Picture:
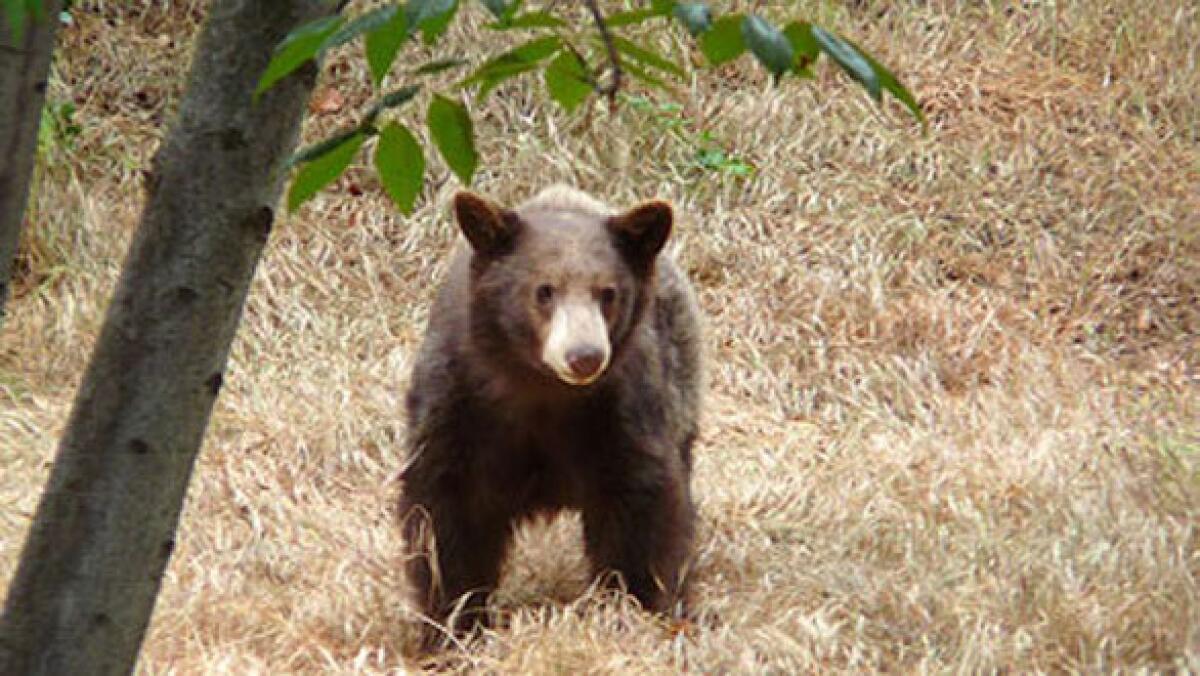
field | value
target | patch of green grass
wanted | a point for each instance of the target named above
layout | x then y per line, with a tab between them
708	153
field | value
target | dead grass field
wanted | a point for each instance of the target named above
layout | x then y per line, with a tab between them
954	412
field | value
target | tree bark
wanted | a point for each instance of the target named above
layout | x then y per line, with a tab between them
93	561
24	69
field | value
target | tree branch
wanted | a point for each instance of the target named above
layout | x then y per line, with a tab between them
613	85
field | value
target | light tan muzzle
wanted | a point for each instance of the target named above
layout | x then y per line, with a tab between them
576	346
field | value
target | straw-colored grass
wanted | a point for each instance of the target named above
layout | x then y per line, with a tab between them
954	410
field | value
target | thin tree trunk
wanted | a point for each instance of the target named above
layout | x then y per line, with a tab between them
23	72
94	558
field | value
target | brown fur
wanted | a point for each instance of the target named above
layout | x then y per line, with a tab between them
495	439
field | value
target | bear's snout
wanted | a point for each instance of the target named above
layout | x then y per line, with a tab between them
576	346
585	363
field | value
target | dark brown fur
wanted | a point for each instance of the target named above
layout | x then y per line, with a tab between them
494	439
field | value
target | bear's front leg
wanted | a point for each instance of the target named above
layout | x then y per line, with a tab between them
454	554
639	523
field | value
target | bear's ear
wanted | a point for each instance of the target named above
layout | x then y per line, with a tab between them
490	229
642	231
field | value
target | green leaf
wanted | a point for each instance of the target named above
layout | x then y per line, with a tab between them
567	81
849	58
642	75
499	75
528	52
365	23
891	84
321	147
431	17
450	127
530	20
401	164
434	29
804	45
663	7
723	42
869	72
420	11
631	17
695	16
521	59
768	45
393	99
383	43
645	56
439	65
297	48
321	170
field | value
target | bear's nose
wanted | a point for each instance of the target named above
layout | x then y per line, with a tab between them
585	361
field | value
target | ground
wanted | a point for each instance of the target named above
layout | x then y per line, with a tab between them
954	411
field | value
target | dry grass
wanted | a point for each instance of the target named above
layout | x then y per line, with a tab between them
954	419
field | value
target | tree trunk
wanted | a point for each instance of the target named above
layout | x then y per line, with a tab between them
93	561
23	72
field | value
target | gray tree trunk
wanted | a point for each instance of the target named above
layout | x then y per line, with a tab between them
94	558
23	73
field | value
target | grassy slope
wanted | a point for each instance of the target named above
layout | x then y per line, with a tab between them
954	379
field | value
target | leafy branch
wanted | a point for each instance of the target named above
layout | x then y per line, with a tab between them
611	88
567	70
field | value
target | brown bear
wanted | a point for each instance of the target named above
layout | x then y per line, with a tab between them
560	370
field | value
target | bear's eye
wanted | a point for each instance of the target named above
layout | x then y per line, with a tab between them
544	293
608	296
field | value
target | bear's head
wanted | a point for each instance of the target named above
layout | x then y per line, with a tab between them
559	284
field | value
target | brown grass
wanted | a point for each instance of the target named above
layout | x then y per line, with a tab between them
954	418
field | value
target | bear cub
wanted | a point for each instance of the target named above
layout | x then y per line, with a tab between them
560	370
